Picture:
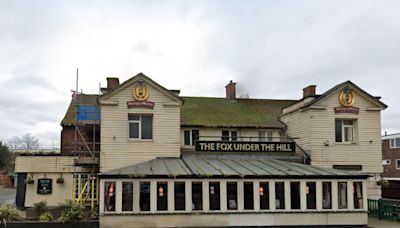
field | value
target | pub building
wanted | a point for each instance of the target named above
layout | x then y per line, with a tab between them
166	160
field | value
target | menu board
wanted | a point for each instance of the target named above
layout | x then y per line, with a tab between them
44	186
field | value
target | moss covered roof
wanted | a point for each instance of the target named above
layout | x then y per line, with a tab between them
221	112
84	99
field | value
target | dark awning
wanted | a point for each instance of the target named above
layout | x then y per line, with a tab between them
227	167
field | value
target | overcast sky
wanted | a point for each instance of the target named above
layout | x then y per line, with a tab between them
272	49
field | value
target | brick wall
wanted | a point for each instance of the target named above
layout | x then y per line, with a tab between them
392	155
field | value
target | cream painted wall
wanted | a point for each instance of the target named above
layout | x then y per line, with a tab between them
60	192
117	150
315	130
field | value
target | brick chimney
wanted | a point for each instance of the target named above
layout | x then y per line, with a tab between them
231	91
309	91
112	83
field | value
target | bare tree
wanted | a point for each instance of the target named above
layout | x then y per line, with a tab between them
25	142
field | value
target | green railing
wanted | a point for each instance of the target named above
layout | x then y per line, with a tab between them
384	209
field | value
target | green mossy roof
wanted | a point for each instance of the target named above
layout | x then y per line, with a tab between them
84	99
221	112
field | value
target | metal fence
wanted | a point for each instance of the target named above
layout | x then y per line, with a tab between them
384	209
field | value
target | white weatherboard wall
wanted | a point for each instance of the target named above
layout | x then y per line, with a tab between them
117	150
315	130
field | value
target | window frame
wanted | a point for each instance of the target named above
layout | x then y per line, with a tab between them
231	136
397	163
343	126
192	137
139	122
394	143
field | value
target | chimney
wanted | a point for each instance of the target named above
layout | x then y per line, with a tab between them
309	91
112	83
231	91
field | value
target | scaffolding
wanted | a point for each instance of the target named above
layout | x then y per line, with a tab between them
86	150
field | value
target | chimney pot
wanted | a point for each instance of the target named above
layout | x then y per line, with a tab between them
231	90
112	83
309	91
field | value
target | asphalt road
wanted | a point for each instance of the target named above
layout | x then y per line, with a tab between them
7	195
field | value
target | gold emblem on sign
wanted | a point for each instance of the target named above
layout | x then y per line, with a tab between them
346	97
141	92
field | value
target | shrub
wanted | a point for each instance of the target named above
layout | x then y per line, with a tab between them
8	213
46	217
72	211
40	207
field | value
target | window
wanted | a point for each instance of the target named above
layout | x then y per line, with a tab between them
397	163
263	190
162	196
179	190
344	131
140	126
144	197
326	195
127	196
295	195
229	135
280	195
394	143
197	196
311	195
248	192
80	180
231	195
190	137
357	195
342	195
265	136
109	196
214	193
386	162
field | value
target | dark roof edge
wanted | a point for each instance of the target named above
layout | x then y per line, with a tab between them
319	177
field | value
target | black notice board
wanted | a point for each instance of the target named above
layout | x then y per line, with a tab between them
44	186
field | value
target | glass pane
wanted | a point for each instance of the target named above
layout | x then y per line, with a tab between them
179	190
186	137
144	200
295	195
392	143
162	196
248	192
342	195
398	164
348	134
127	196
231	195
214	196
326	195
338	130
358	195
280	195
348	122
311	195
195	136
225	135
397	142
261	136
147	127
197	196
269	136
134	130
109	196
234	136
264	195
133	117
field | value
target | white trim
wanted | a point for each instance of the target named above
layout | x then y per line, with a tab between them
391	178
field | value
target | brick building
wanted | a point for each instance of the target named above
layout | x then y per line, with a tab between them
391	166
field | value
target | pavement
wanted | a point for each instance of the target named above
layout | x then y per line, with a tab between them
376	223
7	195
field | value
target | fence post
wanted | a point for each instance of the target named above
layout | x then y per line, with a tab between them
380	210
